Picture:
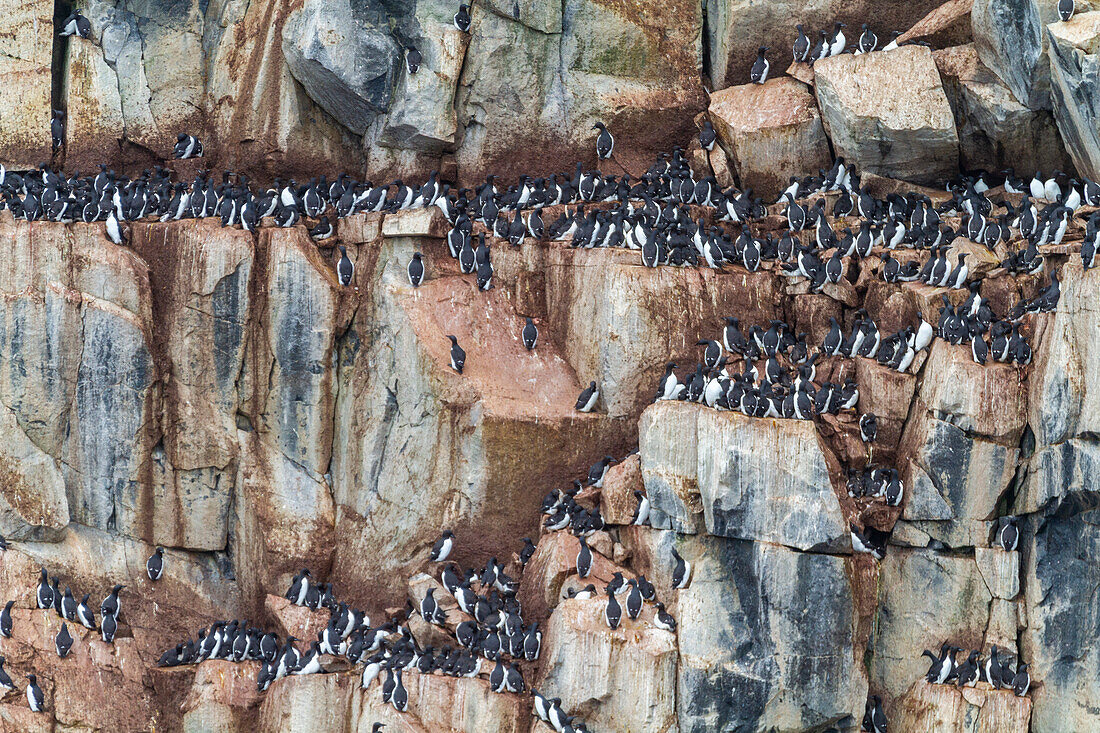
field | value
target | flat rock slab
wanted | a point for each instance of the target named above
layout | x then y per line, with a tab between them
752	478
1074	85
887	113
772	131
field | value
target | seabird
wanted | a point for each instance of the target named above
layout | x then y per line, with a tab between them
458	356
35	698
605	142
345	268
759	72
154	566
416	270
441	550
588	398
530	334
413	59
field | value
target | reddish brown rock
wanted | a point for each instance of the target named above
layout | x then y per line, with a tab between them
947	25
617	502
553	570
771	131
297	621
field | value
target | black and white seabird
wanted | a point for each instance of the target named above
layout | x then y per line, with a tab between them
1065	10
874	717
84	615
530	334
707	136
5	620
35	698
612	612
584	559
413	59
76	25
114	229
186	147
345	268
681	572
154	566
44	596
441	550
760	67
108	628
63	642
6	683
416	270
588	398
323	230
462	18
1021	682
57	129
605	142
458	356
868	427
1009	535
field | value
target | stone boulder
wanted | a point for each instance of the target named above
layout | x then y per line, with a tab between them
222	697
757	479
1075	75
995	130
887	113
347	64
947	25
422	114
1064	397
1011	41
26	51
622	680
154	56
258	117
618	505
771	132
748	658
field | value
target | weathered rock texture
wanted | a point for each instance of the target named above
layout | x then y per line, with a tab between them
887	113
995	130
1074	71
771	132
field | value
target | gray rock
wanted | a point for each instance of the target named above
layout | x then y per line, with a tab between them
887	113
767	481
670	466
1064	399
1075	80
995	130
763	480
1011	42
422	116
924	597
346	64
749	660
970	475
1062	571
592	668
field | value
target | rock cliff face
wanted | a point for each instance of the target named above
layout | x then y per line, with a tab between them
218	393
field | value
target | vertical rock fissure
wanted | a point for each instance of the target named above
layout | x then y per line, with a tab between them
61	10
